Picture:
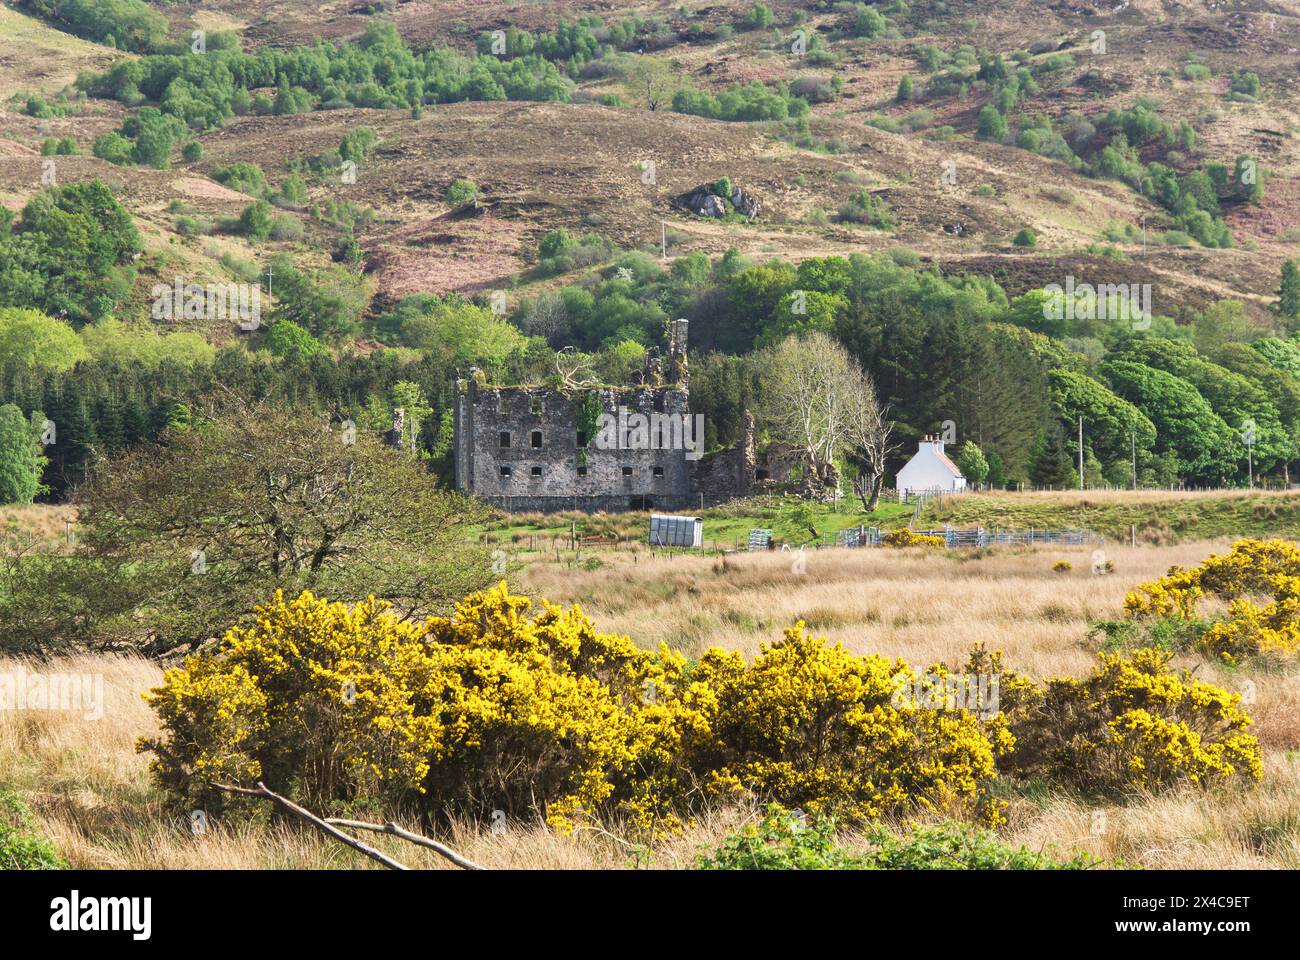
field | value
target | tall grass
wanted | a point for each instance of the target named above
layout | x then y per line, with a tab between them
91	795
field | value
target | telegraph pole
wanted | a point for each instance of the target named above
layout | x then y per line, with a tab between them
1081	453
1248	434
1132	437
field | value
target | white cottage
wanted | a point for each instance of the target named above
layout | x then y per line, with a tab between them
930	470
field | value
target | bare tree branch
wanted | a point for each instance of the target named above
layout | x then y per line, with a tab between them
264	792
396	831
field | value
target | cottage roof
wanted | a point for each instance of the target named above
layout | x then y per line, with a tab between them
943	458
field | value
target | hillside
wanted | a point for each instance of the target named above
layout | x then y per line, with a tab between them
583	158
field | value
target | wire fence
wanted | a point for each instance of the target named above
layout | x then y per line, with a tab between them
953	538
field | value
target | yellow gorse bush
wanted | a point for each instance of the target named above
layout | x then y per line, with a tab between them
1252	569
1132	725
905	537
501	705
817	727
506	704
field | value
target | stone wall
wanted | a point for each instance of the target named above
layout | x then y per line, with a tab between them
519	445
517	448
727	474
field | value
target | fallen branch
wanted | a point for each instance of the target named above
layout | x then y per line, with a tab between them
264	792
396	831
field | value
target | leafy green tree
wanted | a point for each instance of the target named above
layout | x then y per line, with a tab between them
357	145
868	22
190	535
256	220
904	93
997	478
1237	400
113	147
753	295
757	17
21	461
284	338
991	124
972	464
464	332
461	192
28	338
1112	426
801	311
1186	426
328	303
154	133
72	256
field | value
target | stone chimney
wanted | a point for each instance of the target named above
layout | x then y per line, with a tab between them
677	370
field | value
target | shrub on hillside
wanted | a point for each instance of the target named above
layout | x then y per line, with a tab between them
461	192
868	208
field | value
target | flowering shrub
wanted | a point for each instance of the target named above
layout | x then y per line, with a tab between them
905	537
1062	566
504	705
1253	569
499	706
1132	725
812	725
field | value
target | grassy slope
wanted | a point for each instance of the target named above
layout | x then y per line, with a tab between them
725	527
36	56
1159	517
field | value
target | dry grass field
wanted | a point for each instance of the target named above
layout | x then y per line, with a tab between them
91	792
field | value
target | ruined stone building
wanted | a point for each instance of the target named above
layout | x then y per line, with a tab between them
594	447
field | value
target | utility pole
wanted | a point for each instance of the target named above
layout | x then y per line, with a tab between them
663	239
1249	436
1081	453
1132	437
